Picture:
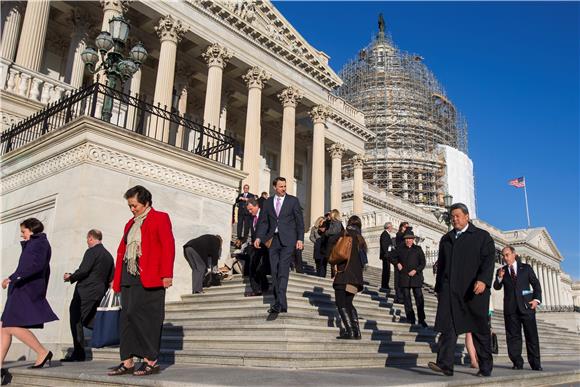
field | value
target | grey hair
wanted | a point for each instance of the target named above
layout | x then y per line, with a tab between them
459	206
388	224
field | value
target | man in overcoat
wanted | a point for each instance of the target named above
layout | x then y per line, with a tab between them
386	245
464	275
409	261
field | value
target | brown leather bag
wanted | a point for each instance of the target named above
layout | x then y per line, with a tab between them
341	250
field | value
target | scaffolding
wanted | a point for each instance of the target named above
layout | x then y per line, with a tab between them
408	110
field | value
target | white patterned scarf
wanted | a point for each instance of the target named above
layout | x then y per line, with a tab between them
133	249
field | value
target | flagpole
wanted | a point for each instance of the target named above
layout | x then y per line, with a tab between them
526	196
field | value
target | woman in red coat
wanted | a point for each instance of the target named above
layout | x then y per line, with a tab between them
26	306
143	271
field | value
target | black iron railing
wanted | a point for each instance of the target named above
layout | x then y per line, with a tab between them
129	113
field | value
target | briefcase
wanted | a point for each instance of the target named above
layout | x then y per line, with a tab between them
106	323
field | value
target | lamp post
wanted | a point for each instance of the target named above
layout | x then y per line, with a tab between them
117	68
445	216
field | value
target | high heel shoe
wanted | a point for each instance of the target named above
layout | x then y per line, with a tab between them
47	358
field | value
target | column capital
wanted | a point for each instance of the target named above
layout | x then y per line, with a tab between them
216	55
290	96
319	113
169	29
256	77
119	6
359	160
13	7
336	150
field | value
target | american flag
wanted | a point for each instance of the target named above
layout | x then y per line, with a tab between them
520	182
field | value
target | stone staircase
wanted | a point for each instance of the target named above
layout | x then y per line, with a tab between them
222	327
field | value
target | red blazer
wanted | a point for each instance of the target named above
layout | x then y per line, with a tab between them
157	249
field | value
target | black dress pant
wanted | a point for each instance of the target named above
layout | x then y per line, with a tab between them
386	275
244	223
198	268
280	258
258	269
448	341
142	315
513	328
398	293
298	264
82	312
418	294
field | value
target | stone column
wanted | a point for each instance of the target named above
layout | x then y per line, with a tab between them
182	108
559	295
170	33
255	79
33	35
546	286
357	189
11	31
319	114
555	287
112	8
226	99
75	65
217	58
336	152
289	98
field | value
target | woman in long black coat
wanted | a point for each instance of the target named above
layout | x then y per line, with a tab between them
26	306
348	281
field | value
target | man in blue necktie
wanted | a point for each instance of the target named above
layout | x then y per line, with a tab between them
281	228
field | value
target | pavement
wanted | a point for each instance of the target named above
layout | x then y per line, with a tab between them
95	373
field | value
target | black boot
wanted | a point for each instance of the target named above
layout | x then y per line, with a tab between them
346	333
355	325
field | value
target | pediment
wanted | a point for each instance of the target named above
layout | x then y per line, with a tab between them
261	22
541	239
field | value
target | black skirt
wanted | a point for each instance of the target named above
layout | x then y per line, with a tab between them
142	315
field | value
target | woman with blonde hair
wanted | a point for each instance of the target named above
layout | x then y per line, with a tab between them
316	239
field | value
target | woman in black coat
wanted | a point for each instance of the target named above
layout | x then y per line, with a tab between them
26	306
348	281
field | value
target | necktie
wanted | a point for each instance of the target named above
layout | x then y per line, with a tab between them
513	273
278	203
457	234
255	221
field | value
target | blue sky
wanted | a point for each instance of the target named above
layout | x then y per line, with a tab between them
512	68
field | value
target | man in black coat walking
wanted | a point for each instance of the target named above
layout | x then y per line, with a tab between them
519	308
386	245
281	226
258	265
464	275
409	260
244	217
92	277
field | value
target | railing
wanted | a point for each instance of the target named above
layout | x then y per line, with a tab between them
133	114
343	106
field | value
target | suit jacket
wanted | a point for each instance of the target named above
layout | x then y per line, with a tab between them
157	251
513	298
461	263
411	258
94	273
386	241
290	221
242	210
207	245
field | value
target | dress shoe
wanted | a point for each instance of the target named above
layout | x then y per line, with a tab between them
252	294
423	324
70	359
482	374
435	367
518	367
274	309
47	359
537	368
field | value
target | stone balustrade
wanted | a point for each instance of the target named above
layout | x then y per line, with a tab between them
347	109
32	85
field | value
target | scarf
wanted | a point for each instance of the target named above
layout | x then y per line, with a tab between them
133	249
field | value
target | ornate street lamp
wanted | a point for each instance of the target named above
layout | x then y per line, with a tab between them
445	216
118	69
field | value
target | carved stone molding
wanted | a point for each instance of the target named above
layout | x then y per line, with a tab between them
122	162
359	160
319	113
256	77
169	29
290	96
119	6
216	55
336	150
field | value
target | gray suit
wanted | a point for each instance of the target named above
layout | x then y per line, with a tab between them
284	229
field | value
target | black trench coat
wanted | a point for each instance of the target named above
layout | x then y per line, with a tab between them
462	262
411	258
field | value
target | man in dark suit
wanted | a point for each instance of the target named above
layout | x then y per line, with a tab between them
258	264
92	277
201	253
464	276
519	308
281	226
244	217
386	245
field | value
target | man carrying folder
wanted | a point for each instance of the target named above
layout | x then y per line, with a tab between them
519	308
